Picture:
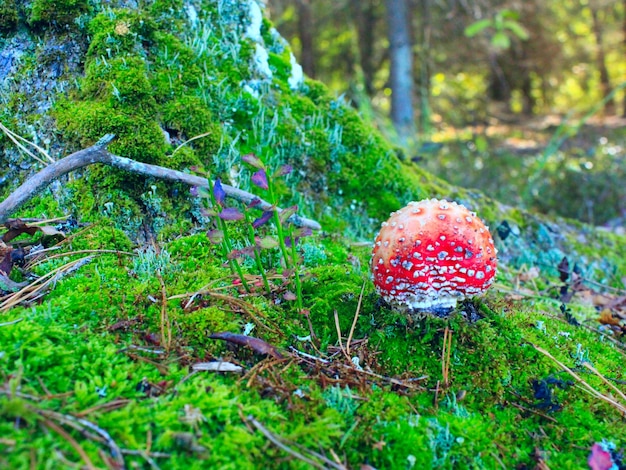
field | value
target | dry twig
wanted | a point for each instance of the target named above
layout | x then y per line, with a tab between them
166	325
99	154
356	317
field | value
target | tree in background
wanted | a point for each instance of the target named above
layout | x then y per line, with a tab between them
598	33
401	67
530	57
305	30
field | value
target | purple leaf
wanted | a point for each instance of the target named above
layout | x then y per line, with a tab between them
194	191
230	213
253	160
260	179
255	202
267	215
600	458
219	192
284	170
289	296
215	236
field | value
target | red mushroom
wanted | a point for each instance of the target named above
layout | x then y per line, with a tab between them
430	254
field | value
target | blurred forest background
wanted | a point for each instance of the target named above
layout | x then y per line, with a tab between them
523	99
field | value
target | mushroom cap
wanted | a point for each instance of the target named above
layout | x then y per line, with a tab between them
430	254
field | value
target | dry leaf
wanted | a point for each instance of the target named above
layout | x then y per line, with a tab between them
256	344
217	366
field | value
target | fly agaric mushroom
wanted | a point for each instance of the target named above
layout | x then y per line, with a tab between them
430	254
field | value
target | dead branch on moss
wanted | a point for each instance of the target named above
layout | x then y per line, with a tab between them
36	289
98	153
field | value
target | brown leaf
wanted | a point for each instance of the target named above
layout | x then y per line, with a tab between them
6	260
257	345
607	318
16	227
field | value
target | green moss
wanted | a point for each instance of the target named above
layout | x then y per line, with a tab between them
137	137
119	32
189	117
9	16
280	65
57	13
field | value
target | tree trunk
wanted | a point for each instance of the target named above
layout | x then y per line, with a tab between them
305	31
605	83
425	66
499	88
401	73
365	17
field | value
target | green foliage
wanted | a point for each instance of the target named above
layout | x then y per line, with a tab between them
58	14
9	16
503	23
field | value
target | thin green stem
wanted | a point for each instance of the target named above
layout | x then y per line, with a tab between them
257	255
296	269
227	247
278	223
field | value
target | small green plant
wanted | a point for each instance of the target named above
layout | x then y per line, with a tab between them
286	234
504	24
220	236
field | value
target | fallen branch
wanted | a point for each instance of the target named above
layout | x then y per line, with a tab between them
99	154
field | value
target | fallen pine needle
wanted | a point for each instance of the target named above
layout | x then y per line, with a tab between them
284	447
